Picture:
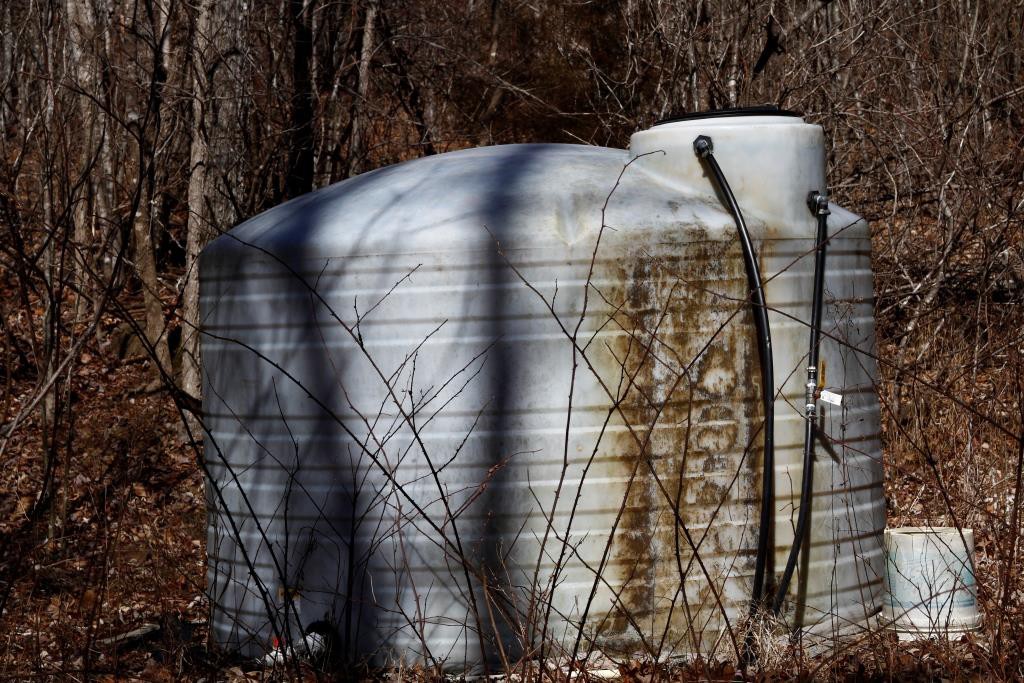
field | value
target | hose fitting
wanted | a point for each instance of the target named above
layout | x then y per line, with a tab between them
811	393
702	146
817	202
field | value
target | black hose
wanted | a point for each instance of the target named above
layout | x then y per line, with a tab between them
819	205
703	148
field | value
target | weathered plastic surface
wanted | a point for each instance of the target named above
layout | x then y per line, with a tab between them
446	406
930	586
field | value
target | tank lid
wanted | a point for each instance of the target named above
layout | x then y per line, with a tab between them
760	110
772	158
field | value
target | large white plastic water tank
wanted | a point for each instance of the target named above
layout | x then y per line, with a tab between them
475	403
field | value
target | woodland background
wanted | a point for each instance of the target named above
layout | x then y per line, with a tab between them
133	131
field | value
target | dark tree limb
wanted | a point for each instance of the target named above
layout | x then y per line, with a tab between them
775	32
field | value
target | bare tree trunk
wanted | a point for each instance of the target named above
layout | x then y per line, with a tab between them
7	67
52	272
199	232
106	197
732	85
144	252
81	62
300	152
145	267
498	93
357	144
335	128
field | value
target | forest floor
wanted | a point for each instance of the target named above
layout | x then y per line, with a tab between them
131	554
119	595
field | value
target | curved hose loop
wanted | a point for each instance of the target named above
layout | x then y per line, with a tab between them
818	204
703	148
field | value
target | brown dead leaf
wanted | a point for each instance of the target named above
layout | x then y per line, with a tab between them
236	675
88	601
157	672
24	504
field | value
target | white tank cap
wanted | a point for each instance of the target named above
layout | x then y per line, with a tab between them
772	160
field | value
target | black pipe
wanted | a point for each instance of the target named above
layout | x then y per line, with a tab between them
818	204
703	148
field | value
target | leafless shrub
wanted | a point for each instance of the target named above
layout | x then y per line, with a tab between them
131	133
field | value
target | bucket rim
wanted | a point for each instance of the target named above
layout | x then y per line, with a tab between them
930	530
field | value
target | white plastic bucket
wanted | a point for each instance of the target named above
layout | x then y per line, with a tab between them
930	582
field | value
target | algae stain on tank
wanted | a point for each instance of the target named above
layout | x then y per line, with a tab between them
686	455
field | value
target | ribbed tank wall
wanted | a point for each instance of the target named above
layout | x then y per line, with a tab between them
840	575
464	398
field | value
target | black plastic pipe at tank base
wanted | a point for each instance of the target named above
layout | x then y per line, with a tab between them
818	204
704	149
